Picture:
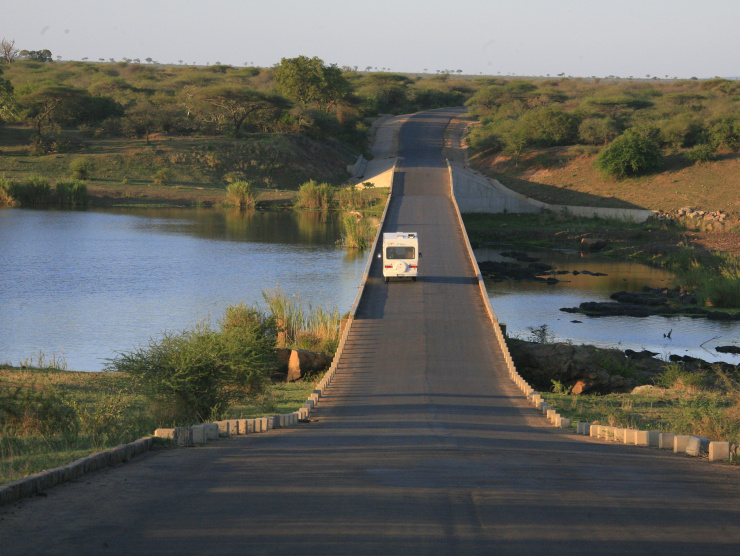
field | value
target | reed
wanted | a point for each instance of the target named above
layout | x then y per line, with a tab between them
71	193
6	198
314	195
350	198
31	192
303	326
242	194
357	233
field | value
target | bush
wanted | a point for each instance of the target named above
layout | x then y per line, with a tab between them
30	410
314	195
631	154
163	176
6	198
241	193
71	193
701	153
33	191
198	373
357	233
80	168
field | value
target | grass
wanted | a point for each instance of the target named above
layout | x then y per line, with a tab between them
357	232
688	403
111	412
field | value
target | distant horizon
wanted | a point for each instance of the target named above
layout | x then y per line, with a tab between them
576	38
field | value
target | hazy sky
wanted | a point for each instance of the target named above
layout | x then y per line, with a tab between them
681	38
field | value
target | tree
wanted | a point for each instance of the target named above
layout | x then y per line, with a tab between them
308	81
37	55
724	133
236	105
7	50
630	154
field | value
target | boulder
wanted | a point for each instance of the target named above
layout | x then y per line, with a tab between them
304	362
592	245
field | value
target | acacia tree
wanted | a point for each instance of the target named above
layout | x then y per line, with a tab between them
630	154
7	50
235	105
308	81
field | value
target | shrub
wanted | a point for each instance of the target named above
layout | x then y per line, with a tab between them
33	191
701	153
314	195
31	410
631	154
71	193
81	168
6	198
349	198
198	373
163	176
242	193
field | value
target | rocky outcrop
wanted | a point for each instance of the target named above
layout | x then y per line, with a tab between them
585	369
294	364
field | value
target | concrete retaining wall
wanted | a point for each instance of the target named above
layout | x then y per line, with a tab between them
478	194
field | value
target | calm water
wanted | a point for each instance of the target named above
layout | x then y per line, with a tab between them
524	305
85	285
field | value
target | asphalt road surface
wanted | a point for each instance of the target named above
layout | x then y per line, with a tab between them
423	446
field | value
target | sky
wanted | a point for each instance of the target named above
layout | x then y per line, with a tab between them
579	38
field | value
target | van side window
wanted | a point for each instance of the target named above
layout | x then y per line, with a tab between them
400	252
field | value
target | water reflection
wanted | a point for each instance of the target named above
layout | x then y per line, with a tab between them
88	284
526	304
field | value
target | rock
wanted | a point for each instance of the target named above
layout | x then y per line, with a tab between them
592	245
728	349
304	362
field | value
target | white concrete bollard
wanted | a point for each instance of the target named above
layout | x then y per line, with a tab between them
719	451
696	445
234	427
564	423
594	431
224	428
211	431
199	434
551	413
647	438
665	442
630	436
584	428
680	442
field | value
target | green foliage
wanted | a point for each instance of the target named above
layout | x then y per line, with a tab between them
308	81
559	388
701	154
198	373
35	410
724	133
30	192
540	335
163	176
314	195
350	198
81	168
6	195
357	233
549	127
242	193
598	130
631	154
675	375
71	193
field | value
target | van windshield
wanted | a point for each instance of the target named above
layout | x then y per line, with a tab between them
400	252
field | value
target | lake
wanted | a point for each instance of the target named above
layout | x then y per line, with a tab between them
83	285
80	286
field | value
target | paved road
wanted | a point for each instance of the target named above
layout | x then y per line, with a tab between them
423	446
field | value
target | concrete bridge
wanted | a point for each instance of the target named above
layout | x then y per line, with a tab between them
422	445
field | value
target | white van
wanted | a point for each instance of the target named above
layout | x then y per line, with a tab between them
400	255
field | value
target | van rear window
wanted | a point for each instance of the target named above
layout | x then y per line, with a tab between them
400	252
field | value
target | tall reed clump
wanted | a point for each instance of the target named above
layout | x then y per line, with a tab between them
350	198
303	326
31	192
242	194
71	193
716	284
81	168
357	233
6	197
314	195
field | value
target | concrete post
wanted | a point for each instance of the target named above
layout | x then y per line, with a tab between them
224	428
719	451
630	436
696	445
665	442
680	442
234	427
594	431
211	431
564	423
199	434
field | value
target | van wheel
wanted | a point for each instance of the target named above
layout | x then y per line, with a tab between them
386	280
413	278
